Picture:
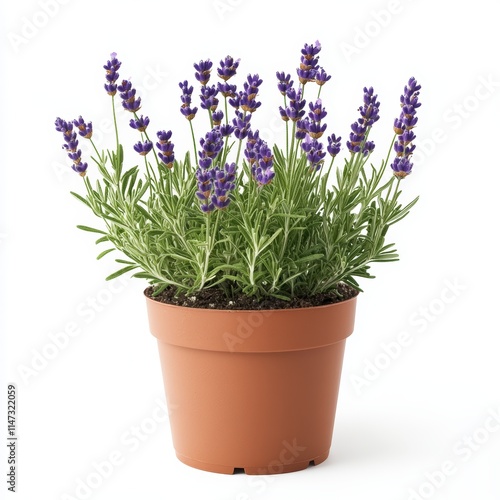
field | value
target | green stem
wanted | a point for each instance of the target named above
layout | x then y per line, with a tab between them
239	152
115	122
287	137
207	252
225	110
194	142
211	119
209	239
241	140
96	151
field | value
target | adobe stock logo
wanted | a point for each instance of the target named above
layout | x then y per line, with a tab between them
245	329
458	114
364	35
419	322
33	24
223	7
463	450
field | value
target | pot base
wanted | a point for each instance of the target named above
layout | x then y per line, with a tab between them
273	468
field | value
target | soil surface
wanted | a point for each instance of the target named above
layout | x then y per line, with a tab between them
215	299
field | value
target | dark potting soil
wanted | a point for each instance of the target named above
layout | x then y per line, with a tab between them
216	299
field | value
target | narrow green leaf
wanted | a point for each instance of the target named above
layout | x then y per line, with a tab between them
120	272
81	198
90	229
309	258
102	254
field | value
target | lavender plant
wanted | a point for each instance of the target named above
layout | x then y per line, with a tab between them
238	214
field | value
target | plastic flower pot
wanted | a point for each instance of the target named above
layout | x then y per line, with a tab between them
252	390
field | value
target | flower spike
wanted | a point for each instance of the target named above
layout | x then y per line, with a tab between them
403	127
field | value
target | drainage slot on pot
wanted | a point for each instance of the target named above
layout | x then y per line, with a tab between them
239	470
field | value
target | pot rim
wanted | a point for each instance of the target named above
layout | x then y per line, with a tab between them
283	310
266	330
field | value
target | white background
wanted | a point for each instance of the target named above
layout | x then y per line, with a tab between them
400	420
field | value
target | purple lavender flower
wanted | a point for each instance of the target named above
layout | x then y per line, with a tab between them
241	125
402	167
295	110
187	92
208	97
301	129
250	92
316	114
398	126
333	145
283	114
186	109
217	117
140	124
248	104
214	184
227	68
143	148
315	154
411	93
129	100
253	143
211	145
112	67
203	69
260	159
359	129
251	86
205	187
226	130
284	82
166	148
188	112
308	63
85	129
235	100
356	137
80	168
321	77
315	129
263	168
223	185
403	127
71	145
370	108
369	147
226	89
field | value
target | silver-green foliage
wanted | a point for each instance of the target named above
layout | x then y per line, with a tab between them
302	234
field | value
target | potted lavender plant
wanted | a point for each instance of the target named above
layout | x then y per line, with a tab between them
252	253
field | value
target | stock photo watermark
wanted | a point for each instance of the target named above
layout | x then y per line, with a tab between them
32	24
224	7
380	20
245	329
455	115
12	454
258	484
59	340
462	451
130	440
419	322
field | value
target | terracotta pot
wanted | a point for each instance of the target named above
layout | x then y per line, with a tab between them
252	390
